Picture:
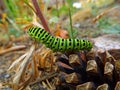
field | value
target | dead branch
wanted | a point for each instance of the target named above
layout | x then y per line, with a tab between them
15	48
40	15
44	78
23	65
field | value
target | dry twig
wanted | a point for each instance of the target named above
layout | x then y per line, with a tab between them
15	48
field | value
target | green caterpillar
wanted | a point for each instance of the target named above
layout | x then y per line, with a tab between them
58	44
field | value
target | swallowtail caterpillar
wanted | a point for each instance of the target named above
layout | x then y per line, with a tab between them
58	44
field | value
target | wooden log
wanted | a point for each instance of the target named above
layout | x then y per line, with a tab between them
72	78
103	87
74	59
108	70
85	86
117	87
92	66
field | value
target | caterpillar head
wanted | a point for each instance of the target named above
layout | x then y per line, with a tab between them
29	31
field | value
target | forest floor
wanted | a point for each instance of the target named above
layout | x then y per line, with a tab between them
13	48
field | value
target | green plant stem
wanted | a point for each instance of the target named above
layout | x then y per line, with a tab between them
57	8
71	28
10	4
30	6
40	15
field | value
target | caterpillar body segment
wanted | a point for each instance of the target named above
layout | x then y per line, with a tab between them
58	44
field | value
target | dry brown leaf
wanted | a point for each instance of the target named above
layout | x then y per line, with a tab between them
35	68
23	65
61	32
15	48
64	65
17	61
81	15
26	82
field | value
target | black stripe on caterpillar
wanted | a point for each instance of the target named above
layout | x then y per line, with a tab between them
59	44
